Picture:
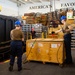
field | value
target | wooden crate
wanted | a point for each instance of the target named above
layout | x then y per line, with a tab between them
45	50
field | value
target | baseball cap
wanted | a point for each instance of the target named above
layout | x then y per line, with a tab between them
17	23
63	18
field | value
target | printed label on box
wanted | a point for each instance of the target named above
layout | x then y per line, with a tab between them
40	44
53	45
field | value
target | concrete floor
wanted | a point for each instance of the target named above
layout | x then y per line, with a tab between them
38	68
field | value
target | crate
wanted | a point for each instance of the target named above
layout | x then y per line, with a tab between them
45	50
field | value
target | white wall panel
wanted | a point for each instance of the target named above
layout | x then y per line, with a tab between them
8	8
11	9
25	8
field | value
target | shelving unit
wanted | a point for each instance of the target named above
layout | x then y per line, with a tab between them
73	39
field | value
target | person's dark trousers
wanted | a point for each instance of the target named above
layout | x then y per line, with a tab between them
67	41
16	50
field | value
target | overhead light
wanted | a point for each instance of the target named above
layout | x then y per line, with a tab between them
26	0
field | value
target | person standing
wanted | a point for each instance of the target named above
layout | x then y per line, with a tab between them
67	39
17	38
33	33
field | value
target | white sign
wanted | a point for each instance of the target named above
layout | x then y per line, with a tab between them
53	45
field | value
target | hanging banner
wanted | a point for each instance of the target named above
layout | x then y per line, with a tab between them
40	7
68	4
